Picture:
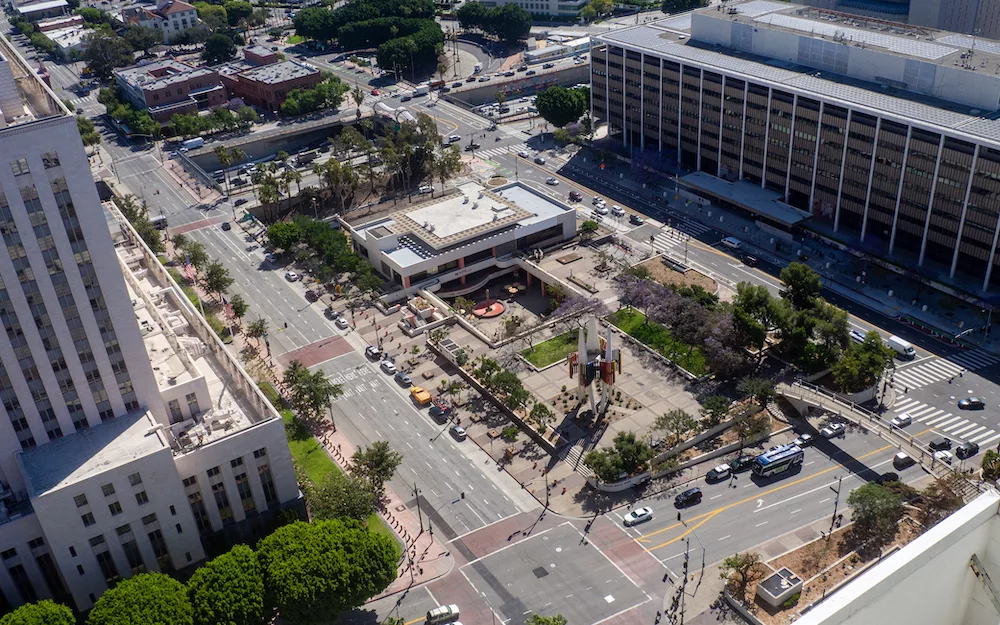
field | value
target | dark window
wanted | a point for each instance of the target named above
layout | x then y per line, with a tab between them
88	519
80	501
141	497
108	490
23	583
177	526
108	568
115	508
72	551
135	479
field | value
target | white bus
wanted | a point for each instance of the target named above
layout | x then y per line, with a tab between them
778	460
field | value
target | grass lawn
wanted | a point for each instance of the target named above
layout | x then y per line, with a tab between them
294	39
552	350
317	463
658	337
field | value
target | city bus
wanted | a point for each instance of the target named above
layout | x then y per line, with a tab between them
778	460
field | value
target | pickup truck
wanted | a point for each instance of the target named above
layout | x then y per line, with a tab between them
420	395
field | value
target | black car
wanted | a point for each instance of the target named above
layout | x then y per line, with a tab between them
749	261
967	450
940	443
971	403
885	478
741	464
439	413
226	226
688	498
635	219
548	65
456	85
530	72
241	201
472	146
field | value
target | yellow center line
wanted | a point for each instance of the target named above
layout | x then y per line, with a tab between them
416	620
707	516
443	121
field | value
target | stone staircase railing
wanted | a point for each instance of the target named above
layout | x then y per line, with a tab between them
812	395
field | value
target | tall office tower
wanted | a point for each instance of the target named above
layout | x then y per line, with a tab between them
884	136
121	408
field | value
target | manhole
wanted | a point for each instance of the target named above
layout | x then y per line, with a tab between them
540	572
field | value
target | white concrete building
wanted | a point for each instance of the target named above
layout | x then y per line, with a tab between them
456	244
130	436
170	17
943	577
560	8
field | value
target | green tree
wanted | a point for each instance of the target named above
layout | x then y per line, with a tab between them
91	16
237	11
861	365
217	278
875	513
603	7
715	408
990	466
510	23
588	13
142	38
752	426
311	392
213	16
560	106
315	23
340	495
144	599
376	464
44	612
589	228
679	6
284	235
104	51
228	589
542	415
761	389
741	570
538	619
313	572
239	305
194	252
634	453
605	464
256	329
677	423
137	215
88	133
219	48
801	287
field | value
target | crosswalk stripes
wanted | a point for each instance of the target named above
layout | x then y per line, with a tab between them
664	241
501	151
938	369
955	426
87	98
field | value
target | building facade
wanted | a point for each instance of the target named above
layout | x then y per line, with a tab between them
129	437
267	86
887	137
167	87
170	17
544	8
971	17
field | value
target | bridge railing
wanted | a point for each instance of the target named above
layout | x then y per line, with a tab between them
823	398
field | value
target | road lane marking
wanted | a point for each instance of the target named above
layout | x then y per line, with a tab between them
725	537
704	518
796	511
759	524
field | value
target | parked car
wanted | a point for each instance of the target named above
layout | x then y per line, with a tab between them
944	456
741	464
271	258
440	411
456	84
971	403
635	220
617	211
402	379
834	430
940	443
551	181
470	79
601	209
373	352
805	440
903	460
484	79
458	432
312	295
342	323
523	68
530	72
241	201
539	160
639	515
226	226
237	182
967	449
749	261
689	497
425	189
575	196
331	314
719	473
387	367
901	420
291	276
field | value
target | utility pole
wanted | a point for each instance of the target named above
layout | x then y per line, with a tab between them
416	494
836	502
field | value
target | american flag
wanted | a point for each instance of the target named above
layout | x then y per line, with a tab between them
189	271
228	308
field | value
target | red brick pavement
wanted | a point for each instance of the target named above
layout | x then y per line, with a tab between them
640	565
197	225
315	353
457	589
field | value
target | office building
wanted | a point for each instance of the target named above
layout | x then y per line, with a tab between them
129	436
265	84
456	244
544	8
169	17
972	17
883	133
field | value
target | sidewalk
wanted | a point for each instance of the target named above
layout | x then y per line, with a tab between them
853	273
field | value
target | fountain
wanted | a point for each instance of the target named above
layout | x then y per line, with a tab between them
488	309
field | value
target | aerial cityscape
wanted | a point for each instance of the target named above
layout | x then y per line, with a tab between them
522	312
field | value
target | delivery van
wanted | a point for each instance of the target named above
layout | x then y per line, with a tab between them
902	348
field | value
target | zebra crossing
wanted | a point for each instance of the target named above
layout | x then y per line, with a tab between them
938	369
92	97
954	426
509	150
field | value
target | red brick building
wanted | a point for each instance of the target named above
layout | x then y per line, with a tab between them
266	86
168	87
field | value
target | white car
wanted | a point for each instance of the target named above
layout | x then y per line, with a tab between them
342	323
425	189
804	440
387	367
639	515
601	209
617	211
291	276
524	154
857	335
834	430
551	181
902	420
944	456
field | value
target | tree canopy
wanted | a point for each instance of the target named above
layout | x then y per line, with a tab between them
44	612
861	365
228	590
104	51
144	599
142	37
340	495
875	512
315	571
311	392
376	464
508	22
801	285
329	93
679	6
560	106
284	235
219	48
628	455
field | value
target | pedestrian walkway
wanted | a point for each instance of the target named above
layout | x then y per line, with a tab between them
667	239
502	151
937	369
77	102
946	423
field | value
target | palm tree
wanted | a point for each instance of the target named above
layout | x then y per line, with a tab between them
287	178
501	97
359	98
225	159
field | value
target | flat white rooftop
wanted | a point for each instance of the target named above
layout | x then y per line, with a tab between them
469	210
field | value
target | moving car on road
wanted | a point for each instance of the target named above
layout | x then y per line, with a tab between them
805	440
901	420
944	456
524	154
967	449
971	403
857	335
575	196
940	443
741	464
639	515
635	220
539	160
834	430
903	460
551	181
688	498
719	473
617	211
601	209
226	226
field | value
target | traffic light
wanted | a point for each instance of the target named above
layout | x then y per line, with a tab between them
602	166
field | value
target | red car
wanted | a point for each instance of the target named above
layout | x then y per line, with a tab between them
311	295
374	91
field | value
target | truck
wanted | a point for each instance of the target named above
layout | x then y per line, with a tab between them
305	158
420	395
192	144
423	89
903	348
437	84
478	68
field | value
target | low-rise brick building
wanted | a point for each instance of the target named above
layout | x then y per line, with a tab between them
267	86
168	87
